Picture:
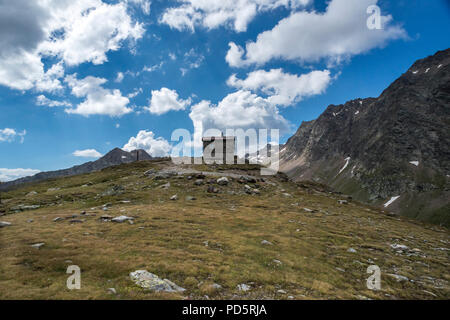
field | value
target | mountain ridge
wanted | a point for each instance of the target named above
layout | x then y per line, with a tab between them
114	157
378	148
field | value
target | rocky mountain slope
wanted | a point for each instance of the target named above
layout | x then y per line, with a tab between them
114	157
392	151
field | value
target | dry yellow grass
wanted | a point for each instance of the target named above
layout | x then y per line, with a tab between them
214	239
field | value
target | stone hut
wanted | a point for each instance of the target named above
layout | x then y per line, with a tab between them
219	150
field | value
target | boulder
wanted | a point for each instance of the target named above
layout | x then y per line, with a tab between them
174	197
243	287
121	219
150	281
4	224
212	189
222	181
38	245
199	182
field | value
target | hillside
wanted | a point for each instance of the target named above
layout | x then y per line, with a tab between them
394	147
113	158
249	238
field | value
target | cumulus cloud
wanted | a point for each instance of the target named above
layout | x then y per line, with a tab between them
212	14
238	110
13	174
90	29
10	135
99	101
88	153
283	89
44	101
156	147
339	33
71	31
166	100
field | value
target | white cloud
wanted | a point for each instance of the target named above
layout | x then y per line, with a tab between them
339	33
238	110
135	93
283	89
166	100
88	153
44	101
156	147
211	14
119	77
13	174
91	28
153	68
143	4
72	31
9	135
192	60
99	101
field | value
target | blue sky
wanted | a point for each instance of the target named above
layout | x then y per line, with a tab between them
128	73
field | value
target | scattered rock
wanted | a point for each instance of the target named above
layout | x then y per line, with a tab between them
287	195
57	219
165	186
222	181
113	191
106	218
165	175
247	179
278	262
265	242
121	219
399	247
243	287
212	189
199	182
4	224
397	277
351	250
22	207
32	193
152	282
190	198
342	201
37	245
216	286
340	269
73	221
30	221
307	210
281	291
174	197
150	172
112	291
